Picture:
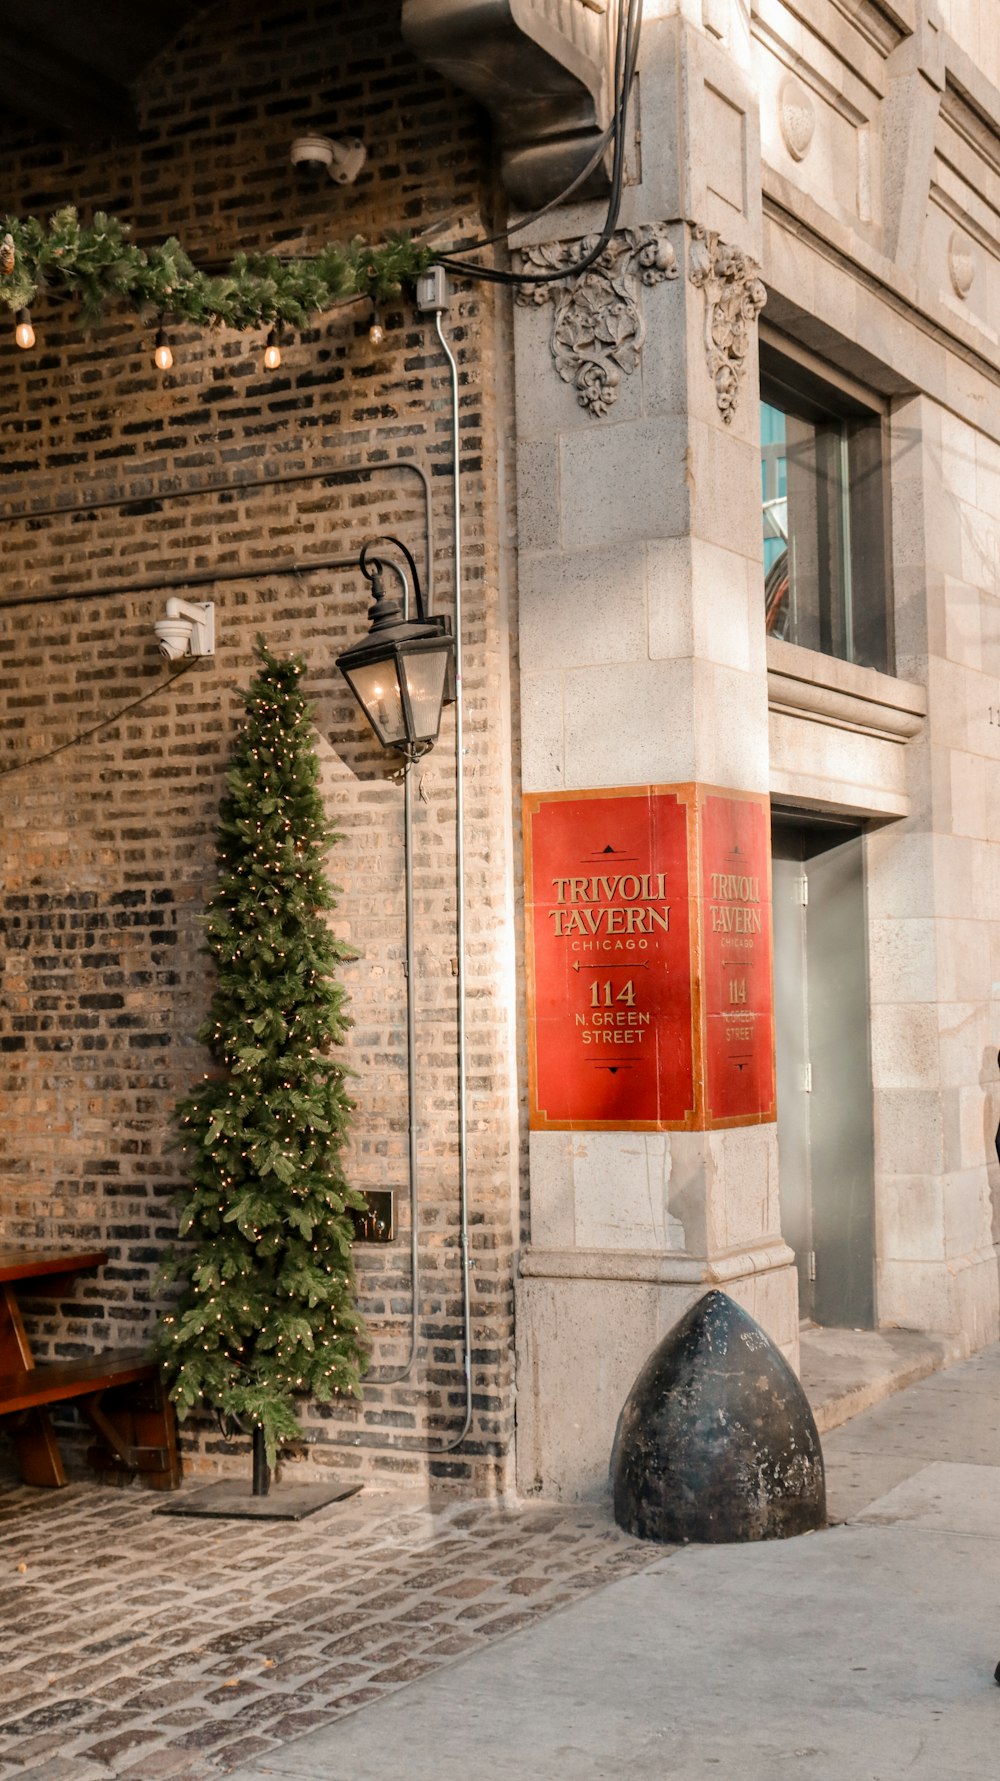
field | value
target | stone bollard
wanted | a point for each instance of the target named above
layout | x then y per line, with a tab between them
717	1441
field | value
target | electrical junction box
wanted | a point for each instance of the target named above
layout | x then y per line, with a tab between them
377	1223
432	289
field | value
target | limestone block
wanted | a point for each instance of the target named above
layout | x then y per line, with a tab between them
977	1302
582	608
742	1174
909	1130
963	634
963	877
731	727
538	506
580	1345
621	1188
622	482
910	1218
550	1163
971	1117
856	770
629	724
701	604
689	1190
948	704
904	1046
989	627
664	366
915	1295
899	873
670	585
967	1212
987	496
902	960
723	474
728	630
546	404
968	805
967	1044
979	550
963	960
958	458
543	752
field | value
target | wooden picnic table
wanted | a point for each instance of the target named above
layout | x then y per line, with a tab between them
120	1393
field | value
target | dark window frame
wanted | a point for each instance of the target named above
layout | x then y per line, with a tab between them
854	609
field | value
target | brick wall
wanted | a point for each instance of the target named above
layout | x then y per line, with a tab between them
113	476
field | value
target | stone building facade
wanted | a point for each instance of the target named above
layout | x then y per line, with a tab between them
751	554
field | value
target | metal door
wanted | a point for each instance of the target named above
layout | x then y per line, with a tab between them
825	1132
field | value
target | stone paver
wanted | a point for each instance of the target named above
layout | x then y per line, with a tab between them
133	1645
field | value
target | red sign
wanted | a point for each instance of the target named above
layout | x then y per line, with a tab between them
608	910
649	959
737	1003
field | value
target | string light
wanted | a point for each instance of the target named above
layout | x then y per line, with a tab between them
24	333
376	332
272	351
163	357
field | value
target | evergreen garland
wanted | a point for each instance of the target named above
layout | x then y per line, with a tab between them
96	261
267	1314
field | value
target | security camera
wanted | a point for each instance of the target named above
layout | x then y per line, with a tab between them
187	629
342	159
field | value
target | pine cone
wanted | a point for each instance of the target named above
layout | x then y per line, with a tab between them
7	255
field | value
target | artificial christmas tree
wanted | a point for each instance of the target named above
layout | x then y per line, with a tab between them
267	1314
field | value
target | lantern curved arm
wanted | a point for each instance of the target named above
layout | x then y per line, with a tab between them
370	572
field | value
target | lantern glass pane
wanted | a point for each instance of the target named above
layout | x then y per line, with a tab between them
376	687
425	671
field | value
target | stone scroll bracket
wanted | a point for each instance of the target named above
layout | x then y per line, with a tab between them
598	327
734	297
542	68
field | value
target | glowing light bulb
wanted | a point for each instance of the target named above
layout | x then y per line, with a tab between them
24	333
272	352
376	332
163	357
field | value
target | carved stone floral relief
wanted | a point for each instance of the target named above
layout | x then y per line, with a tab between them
598	327
734	297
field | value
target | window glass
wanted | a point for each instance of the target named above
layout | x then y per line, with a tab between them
823	516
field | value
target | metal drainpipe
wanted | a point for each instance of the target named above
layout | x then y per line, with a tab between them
463	1177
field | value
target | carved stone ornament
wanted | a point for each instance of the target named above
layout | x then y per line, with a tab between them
598	328
734	296
961	264
796	118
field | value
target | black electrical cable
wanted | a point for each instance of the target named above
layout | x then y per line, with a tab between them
626	57
35	760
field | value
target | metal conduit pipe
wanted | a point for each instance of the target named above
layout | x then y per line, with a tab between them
226	571
463	1172
455	1441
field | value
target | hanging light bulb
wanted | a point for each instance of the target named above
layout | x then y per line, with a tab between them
24	333
163	357
376	332
272	351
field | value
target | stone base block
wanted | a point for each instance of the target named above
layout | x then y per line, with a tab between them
583	1337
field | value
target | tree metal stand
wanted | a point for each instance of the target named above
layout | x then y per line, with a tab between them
231	1499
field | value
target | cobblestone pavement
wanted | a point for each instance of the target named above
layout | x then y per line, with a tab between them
141	1646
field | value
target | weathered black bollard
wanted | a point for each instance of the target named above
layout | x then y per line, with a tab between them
717	1441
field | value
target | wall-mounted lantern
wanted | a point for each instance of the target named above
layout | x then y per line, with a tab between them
402	673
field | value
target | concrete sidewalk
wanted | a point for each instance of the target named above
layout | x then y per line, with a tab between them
864	1653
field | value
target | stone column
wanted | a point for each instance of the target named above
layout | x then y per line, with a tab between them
642	659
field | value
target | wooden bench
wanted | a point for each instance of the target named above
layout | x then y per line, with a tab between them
123	1399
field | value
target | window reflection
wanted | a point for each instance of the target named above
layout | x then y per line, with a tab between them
823	520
